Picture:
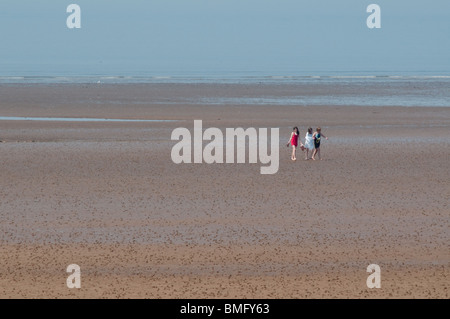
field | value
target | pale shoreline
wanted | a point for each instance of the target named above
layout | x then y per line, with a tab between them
105	195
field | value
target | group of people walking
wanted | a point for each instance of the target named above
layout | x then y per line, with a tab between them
312	143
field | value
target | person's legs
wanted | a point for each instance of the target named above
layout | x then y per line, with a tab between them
314	154
293	153
307	154
318	153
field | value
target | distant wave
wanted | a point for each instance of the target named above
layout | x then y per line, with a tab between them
354	76
74	119
18	79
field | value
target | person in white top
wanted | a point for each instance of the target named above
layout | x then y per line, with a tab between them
309	143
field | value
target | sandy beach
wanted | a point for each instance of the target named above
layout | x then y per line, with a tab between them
108	197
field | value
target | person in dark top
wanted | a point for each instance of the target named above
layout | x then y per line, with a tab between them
316	137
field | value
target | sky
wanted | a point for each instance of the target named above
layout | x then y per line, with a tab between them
214	37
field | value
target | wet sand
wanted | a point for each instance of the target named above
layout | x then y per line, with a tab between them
107	196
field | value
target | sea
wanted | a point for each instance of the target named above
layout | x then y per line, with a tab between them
408	89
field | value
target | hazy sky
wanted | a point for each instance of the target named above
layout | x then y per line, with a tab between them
223	36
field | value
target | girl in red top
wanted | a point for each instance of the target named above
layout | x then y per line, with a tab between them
293	140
